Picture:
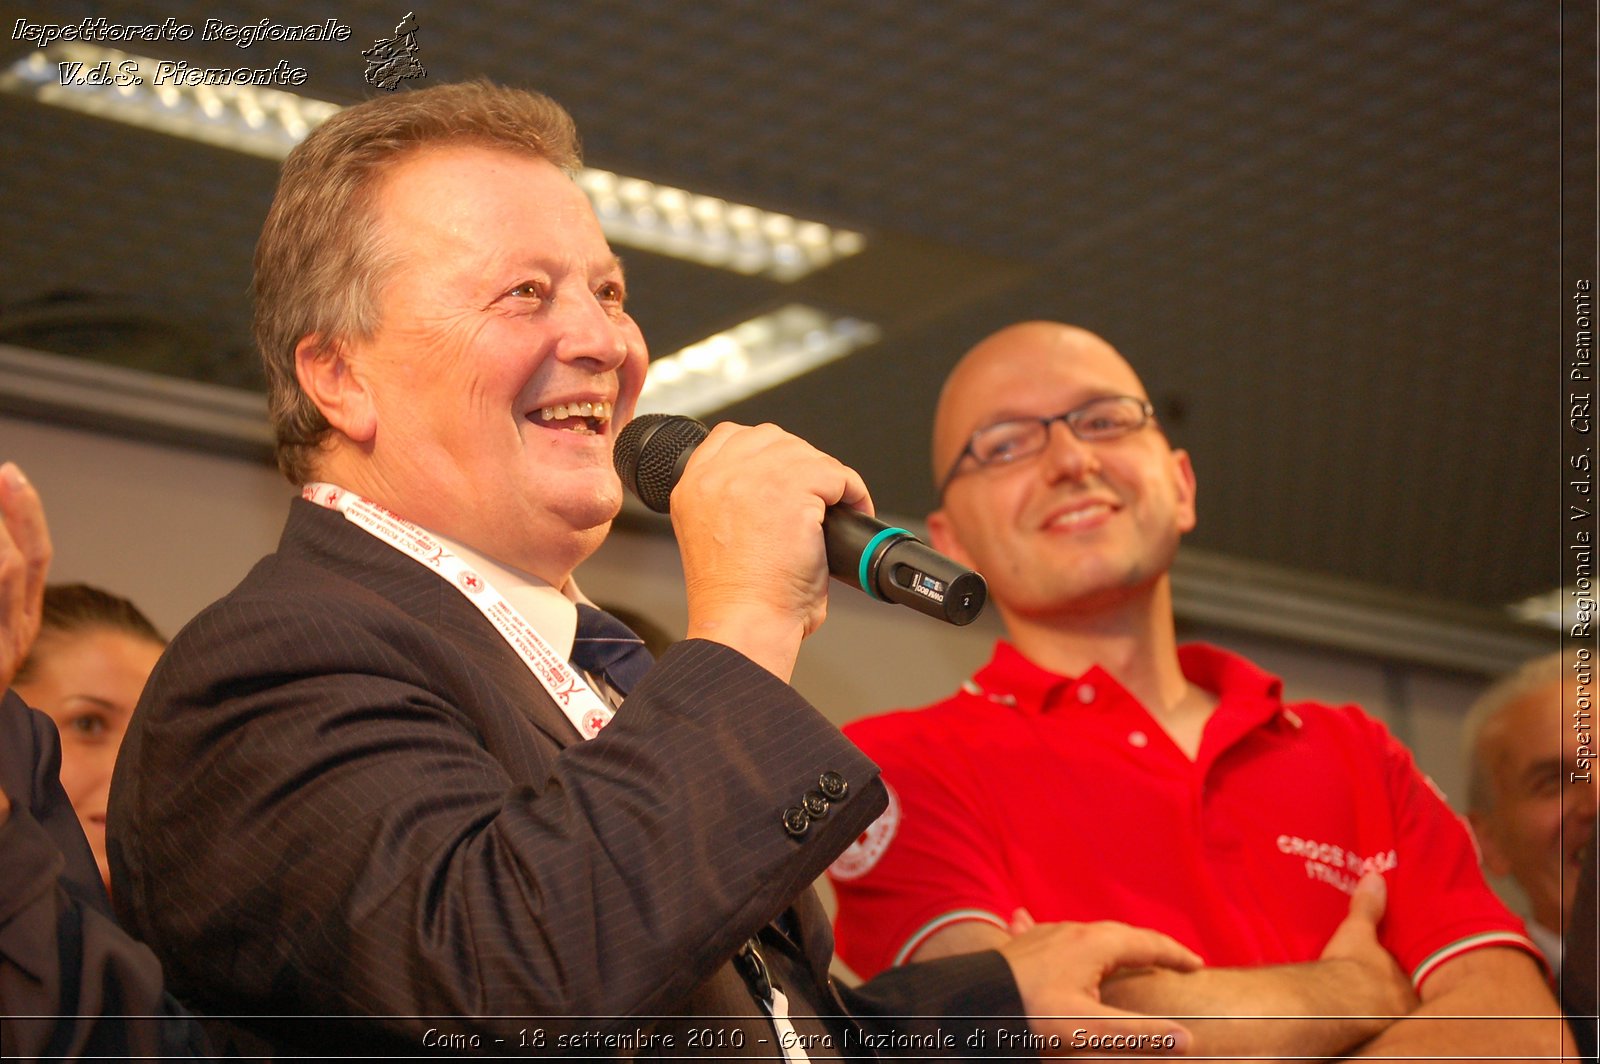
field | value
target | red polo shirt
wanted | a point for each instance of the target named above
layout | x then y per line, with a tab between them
1065	797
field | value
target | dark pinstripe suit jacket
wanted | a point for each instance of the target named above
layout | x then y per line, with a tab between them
344	796
72	983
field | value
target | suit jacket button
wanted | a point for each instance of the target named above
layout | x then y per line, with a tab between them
833	785
815	804
796	821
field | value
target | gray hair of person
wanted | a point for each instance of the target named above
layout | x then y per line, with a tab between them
1478	728
71	609
323	258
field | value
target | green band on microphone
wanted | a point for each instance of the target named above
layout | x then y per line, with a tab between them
866	556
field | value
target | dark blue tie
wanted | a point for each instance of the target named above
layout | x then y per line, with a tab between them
606	648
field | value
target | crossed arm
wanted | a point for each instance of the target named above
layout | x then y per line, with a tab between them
1487	1003
1351	1001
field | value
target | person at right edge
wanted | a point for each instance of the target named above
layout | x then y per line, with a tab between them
1095	769
1532	800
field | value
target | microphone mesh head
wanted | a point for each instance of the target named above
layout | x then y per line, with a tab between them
650	455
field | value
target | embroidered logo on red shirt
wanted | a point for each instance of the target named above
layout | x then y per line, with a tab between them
1335	865
866	851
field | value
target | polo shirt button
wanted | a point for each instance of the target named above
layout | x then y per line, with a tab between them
1138	739
833	785
1085	693
815	804
796	821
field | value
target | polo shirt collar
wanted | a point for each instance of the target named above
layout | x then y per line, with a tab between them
1012	679
1249	693
1220	671
1248	697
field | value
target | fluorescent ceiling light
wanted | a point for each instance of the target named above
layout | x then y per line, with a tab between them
269	122
750	357
708	230
1546	608
245	118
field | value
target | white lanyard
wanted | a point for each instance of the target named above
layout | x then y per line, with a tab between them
788	1038
586	709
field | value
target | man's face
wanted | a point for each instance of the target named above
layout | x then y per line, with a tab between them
504	362
1080	526
1541	818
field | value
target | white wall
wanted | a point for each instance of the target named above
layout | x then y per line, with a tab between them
172	529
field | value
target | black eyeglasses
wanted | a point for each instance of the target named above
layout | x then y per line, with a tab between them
1096	421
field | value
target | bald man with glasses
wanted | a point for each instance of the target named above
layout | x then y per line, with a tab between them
1095	769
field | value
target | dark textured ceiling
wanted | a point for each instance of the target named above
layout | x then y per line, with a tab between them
1327	233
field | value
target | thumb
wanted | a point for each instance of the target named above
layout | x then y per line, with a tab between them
1371	897
1022	922
1359	929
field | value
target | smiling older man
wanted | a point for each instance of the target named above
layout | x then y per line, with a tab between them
368	785
1531	799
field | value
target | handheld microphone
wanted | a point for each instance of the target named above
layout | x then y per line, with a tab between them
887	563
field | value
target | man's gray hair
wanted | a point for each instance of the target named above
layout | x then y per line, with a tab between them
1479	731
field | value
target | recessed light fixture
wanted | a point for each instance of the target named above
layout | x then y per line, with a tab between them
712	231
161	95
1545	608
750	357
158	94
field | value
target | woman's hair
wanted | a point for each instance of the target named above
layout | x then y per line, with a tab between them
72	608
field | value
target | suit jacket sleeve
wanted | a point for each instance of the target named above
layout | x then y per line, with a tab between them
328	804
71	982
